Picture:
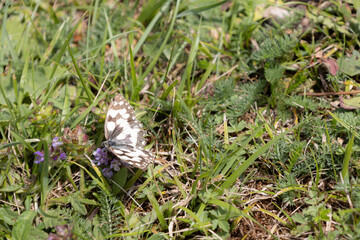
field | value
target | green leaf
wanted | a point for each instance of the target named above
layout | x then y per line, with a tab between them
37	234
8	216
119	178
11	188
350	65
77	204
158	236
224	225
299	218
324	214
52	218
229	207
21	229
352	103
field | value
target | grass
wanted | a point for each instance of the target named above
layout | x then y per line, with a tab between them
252	116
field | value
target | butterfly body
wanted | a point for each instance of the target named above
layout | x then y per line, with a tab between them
124	134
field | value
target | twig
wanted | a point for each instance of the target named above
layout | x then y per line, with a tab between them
331	93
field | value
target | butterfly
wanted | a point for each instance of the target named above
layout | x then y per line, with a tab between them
124	134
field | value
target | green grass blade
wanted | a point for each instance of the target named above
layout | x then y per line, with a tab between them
88	109
191	214
328	142
113	43
344	124
206	75
168	89
201	9
189	66
149	27
63	48
157	210
134	82
103	184
163	45
179	185
227	161
5	39
7	101
225	205
236	174
44	176
346	162
82	80
22	141
52	44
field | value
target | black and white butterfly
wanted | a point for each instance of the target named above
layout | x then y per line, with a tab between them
124	134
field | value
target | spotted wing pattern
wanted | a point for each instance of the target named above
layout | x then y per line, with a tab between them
125	135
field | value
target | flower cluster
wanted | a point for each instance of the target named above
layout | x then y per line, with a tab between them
108	164
55	151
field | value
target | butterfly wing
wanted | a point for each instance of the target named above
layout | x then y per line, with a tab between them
125	131
121	125
136	157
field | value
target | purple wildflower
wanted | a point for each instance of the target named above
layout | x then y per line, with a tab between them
107	172
56	143
115	164
39	157
101	156
62	156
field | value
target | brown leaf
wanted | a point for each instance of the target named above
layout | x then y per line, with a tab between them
331	65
